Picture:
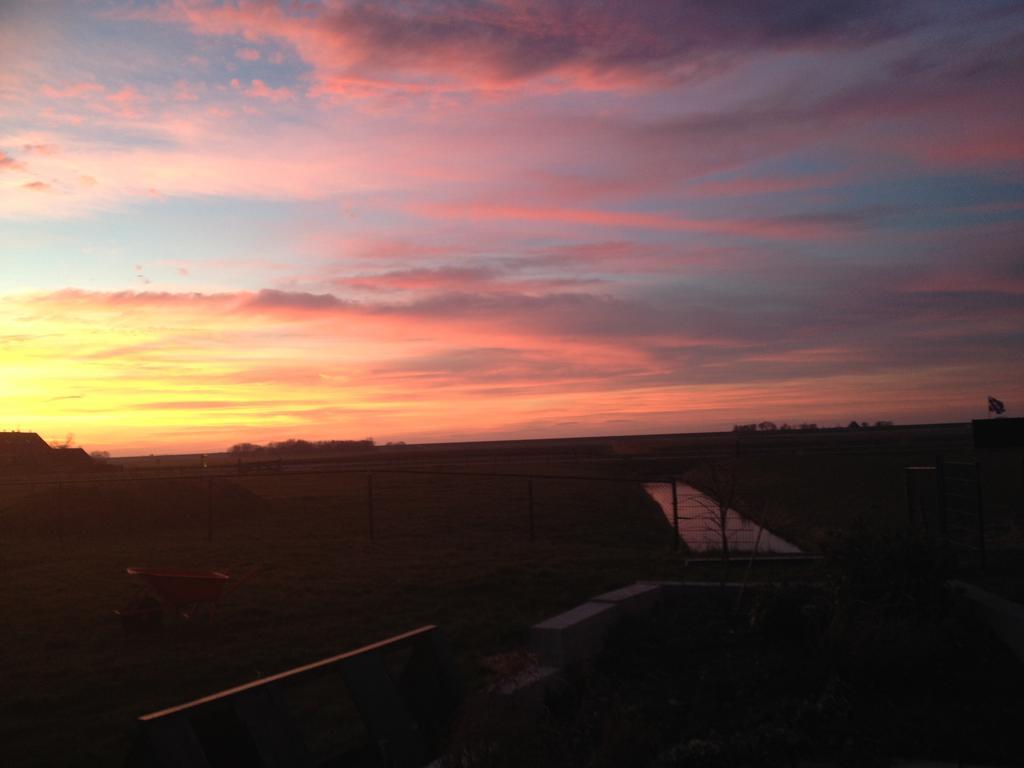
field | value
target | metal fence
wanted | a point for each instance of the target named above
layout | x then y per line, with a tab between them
704	525
946	503
269	500
218	503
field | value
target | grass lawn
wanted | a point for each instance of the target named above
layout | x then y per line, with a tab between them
447	550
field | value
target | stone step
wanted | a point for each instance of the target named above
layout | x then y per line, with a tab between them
573	636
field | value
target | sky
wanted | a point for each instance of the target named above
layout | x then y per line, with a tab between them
450	220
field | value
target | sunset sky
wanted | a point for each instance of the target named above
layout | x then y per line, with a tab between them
478	220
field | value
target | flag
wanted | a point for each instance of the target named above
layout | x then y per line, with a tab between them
996	406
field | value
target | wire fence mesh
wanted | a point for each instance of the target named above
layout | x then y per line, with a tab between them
706	525
327	506
946	503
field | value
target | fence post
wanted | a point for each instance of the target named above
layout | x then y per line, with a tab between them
940	487
369	502
209	509
981	514
529	505
675	514
61	513
909	493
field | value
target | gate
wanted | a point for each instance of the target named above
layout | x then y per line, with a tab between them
946	503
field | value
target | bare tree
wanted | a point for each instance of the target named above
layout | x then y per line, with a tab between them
69	439
724	491
719	483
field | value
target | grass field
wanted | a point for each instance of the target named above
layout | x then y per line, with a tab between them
451	550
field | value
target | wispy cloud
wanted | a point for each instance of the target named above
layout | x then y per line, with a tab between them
489	45
507	217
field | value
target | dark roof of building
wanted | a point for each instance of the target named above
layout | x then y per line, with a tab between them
70	457
22	443
28	452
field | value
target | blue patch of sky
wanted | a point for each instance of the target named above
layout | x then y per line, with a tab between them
130	51
220	242
934	200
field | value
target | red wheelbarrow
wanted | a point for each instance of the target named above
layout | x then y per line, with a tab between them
183	592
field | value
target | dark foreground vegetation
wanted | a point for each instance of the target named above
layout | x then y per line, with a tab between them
302	447
878	662
453	550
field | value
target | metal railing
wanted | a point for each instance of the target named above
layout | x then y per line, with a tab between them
383	497
405	713
946	503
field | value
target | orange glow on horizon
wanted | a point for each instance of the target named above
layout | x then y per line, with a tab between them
141	373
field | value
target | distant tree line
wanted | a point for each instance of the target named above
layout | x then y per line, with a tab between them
771	426
304	446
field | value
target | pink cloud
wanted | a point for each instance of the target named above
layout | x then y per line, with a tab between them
126	95
513	41
126	103
197	156
185	91
9	163
383	248
73	91
75	298
247	54
41	149
793	227
63	118
459	279
261	90
997	148
351	86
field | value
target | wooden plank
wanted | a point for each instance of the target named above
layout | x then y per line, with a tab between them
407	719
291	673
